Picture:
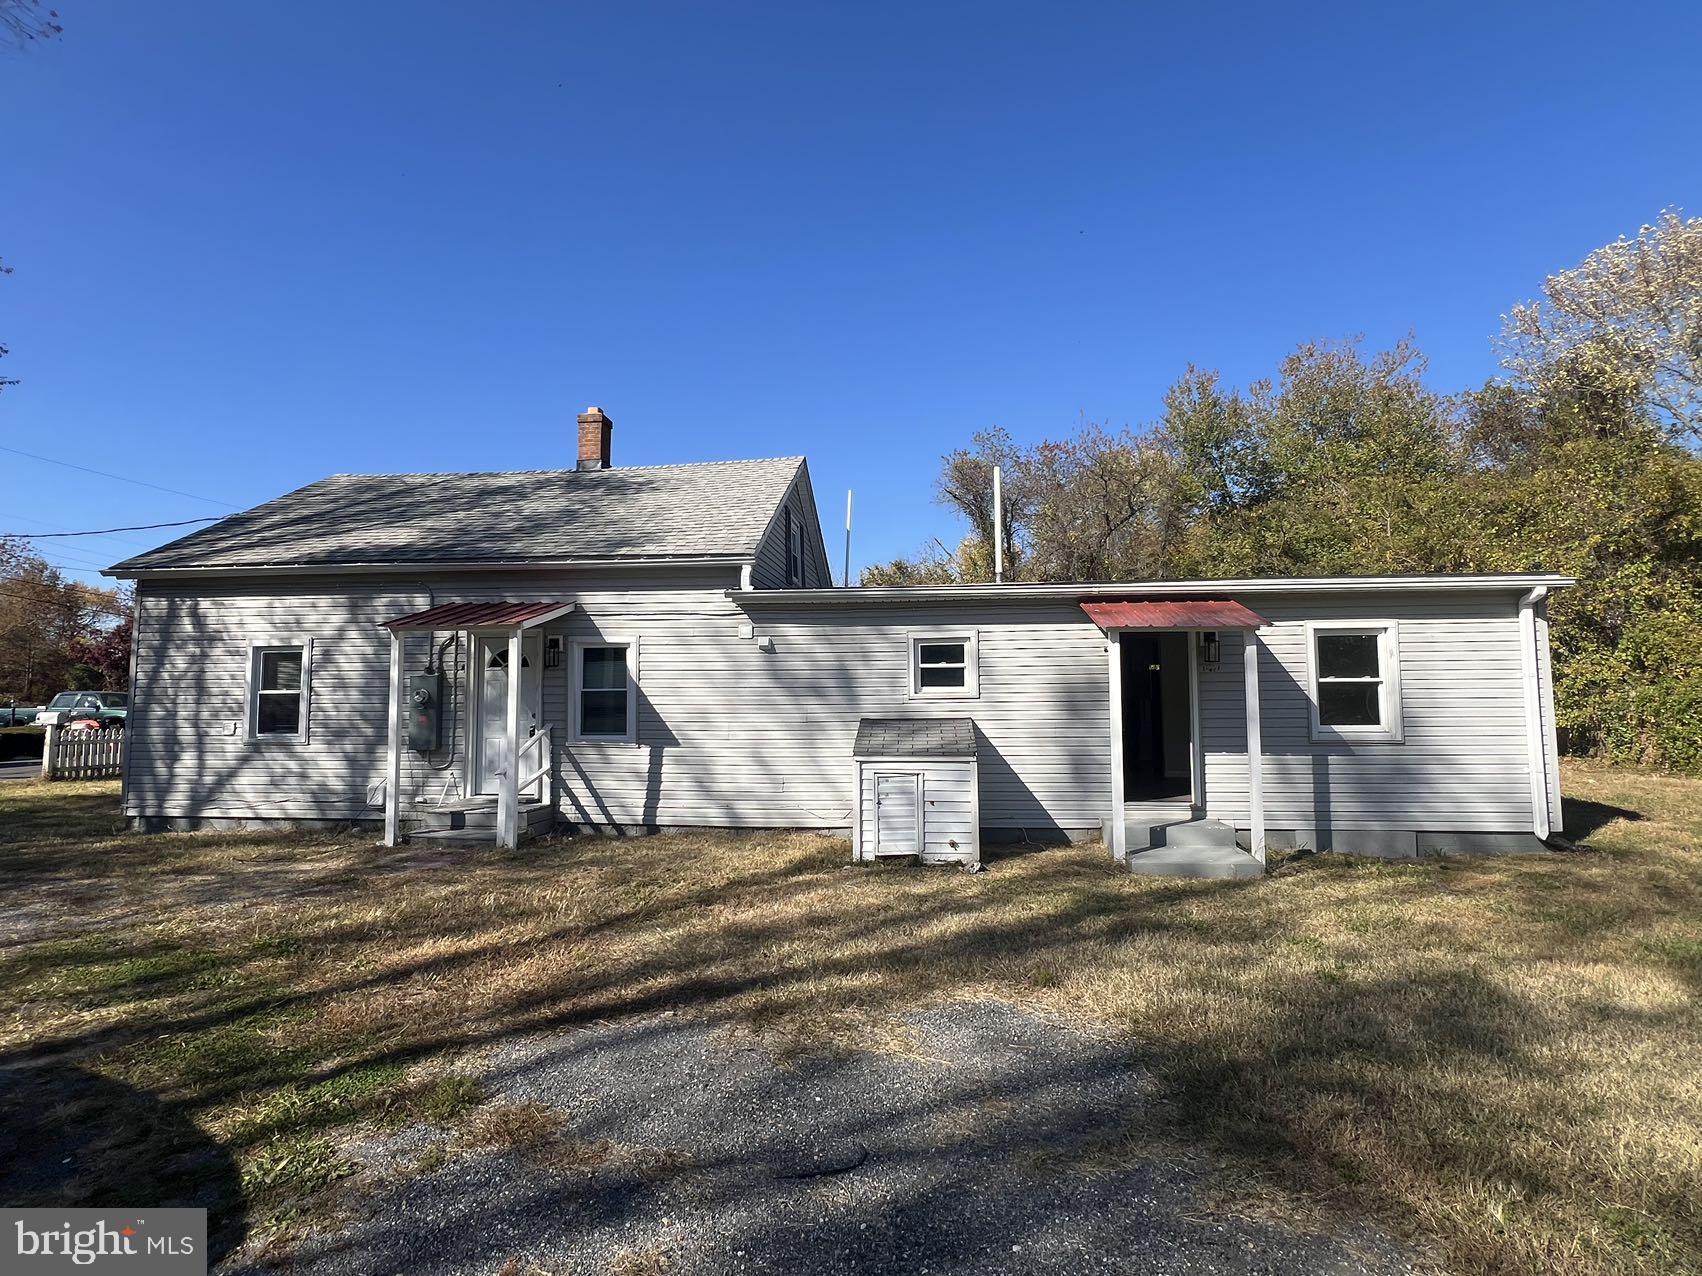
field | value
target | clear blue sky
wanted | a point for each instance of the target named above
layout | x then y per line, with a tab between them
256	244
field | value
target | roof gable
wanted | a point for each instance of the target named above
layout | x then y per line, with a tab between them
717	509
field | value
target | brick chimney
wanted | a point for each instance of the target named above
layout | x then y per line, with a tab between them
594	430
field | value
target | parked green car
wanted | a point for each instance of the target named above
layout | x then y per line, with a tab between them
109	708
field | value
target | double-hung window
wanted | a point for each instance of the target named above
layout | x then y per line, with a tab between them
943	665
604	704
279	678
1356	685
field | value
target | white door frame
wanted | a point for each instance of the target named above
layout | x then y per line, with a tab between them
1196	751
532	649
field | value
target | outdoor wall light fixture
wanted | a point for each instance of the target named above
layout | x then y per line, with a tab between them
1211	650
552	653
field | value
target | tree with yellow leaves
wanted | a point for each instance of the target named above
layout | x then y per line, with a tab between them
1628	315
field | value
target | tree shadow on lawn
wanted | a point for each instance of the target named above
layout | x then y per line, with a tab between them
73	1138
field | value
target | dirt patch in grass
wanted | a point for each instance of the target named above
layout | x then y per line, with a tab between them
1496	1054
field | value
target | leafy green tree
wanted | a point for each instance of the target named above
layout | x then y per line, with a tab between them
1339	465
1346	462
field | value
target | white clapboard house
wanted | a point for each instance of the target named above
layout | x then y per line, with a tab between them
492	655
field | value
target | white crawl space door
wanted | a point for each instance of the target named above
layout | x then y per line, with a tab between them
898	809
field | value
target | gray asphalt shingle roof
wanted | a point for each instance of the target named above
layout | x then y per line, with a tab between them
915	738
713	509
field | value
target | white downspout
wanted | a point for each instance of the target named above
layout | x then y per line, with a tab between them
1535	743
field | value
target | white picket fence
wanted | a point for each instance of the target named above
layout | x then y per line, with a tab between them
82	755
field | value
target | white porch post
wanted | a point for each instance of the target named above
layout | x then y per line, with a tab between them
393	757
508	795
1255	764
1119	834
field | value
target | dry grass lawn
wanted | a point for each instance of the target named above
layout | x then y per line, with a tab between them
1499	1057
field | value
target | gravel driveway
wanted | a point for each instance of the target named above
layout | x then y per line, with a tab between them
672	1147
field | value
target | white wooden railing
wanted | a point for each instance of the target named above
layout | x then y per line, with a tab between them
82	755
545	770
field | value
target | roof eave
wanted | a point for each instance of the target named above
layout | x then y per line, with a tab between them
874	594
122	571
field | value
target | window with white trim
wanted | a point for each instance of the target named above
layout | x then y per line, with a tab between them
604	704
278	680
943	665
1356	693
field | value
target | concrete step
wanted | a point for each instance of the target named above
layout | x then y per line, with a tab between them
1203	834
1195	861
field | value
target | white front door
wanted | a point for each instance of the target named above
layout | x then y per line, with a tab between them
489	745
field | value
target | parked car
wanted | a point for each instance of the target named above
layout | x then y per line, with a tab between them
107	709
13	714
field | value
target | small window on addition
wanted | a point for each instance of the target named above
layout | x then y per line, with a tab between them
278	678
942	665
1355	682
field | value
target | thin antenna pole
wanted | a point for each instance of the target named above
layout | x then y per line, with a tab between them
845	580
998	529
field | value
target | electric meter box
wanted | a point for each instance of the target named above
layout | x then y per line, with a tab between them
425	711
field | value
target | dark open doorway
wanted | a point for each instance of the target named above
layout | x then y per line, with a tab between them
1157	717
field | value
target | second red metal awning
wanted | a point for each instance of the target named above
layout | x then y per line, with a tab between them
1174	613
489	615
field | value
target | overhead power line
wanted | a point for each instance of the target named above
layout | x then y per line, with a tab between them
45	601
77	559
107	531
60	527
121	478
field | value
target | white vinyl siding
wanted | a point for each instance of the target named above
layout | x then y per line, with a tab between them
732	735
728	734
1462	765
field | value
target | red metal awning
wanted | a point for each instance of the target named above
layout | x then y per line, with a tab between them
1174	613
482	616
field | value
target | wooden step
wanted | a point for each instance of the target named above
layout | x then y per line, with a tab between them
478	815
